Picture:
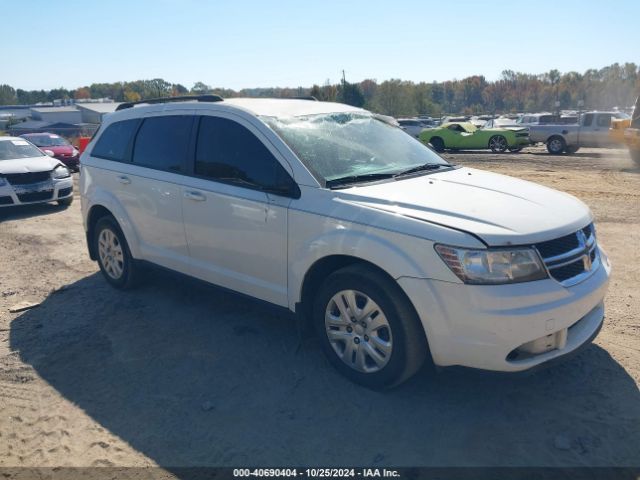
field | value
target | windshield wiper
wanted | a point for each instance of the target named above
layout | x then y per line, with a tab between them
424	167
351	179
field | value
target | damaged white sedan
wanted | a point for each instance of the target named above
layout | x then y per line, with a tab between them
27	175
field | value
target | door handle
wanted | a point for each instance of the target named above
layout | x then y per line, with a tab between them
124	180
195	196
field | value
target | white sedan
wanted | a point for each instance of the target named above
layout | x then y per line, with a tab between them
29	176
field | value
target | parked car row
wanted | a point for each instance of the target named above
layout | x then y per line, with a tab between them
563	133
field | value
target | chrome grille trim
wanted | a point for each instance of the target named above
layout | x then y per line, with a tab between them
585	258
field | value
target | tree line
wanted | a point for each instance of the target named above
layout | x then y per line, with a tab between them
611	86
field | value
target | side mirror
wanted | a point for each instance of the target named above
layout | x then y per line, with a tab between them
49	152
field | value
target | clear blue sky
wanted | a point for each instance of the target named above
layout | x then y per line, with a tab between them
246	43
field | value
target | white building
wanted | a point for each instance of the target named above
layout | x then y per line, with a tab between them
67	114
93	112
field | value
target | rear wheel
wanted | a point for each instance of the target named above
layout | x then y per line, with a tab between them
367	328
437	143
556	145
498	144
515	149
114	258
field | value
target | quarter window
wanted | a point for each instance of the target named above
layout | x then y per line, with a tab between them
162	142
604	120
227	151
114	142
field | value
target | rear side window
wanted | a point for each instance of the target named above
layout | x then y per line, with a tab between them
114	141
229	152
162	142
604	120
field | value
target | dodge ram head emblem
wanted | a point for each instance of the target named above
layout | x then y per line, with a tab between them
586	256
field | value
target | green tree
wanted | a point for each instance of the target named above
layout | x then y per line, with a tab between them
8	95
200	88
351	94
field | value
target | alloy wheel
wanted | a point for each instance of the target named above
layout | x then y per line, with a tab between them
111	254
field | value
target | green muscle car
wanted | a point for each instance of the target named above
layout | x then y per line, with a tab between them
465	136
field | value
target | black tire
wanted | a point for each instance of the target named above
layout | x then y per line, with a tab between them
127	279
498	144
65	202
556	145
515	149
437	143
572	149
409	345
635	156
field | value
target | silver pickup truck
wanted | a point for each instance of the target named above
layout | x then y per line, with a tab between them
591	130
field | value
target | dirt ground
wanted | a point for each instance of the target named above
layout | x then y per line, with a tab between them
177	373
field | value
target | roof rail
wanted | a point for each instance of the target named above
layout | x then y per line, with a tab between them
185	98
303	97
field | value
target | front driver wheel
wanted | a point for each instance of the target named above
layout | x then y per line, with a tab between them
556	145
437	144
498	144
114	258
368	329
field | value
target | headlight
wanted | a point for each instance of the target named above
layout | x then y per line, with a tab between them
493	266
60	172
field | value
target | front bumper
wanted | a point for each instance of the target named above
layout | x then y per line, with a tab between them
523	141
29	194
485	326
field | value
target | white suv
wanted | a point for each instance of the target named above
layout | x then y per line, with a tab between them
392	253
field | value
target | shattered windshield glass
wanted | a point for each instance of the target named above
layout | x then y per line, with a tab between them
337	145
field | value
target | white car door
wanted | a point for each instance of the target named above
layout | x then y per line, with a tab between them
148	187
235	209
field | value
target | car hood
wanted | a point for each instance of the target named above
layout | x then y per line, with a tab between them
498	209
66	149
26	165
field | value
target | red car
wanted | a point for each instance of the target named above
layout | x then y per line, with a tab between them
62	150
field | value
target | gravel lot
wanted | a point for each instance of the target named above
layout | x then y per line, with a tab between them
177	373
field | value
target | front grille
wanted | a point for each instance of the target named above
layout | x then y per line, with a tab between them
27	178
35	196
6	200
557	246
568	271
63	192
571	258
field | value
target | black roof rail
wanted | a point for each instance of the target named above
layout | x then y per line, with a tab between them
185	98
